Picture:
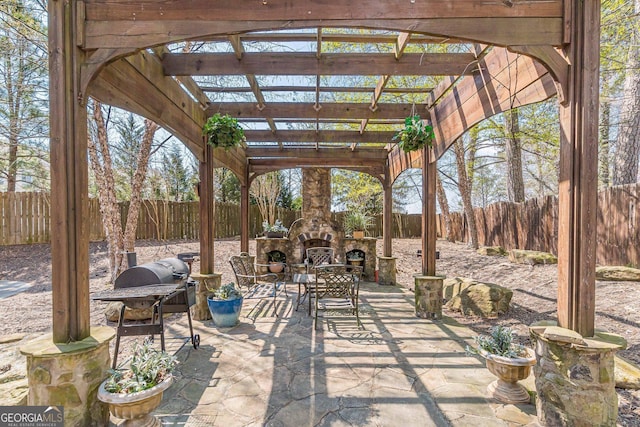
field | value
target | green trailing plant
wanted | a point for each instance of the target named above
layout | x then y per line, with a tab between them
499	342
357	220
276	227
227	292
223	131
276	256
415	135
354	256
149	367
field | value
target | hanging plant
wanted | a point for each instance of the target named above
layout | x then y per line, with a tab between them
415	135
223	131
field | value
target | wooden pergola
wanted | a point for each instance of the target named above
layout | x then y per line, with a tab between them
490	57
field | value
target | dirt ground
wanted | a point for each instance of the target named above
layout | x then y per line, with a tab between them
534	298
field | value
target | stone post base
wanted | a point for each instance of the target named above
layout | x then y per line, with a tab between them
428	294
69	375
575	376
207	284
387	270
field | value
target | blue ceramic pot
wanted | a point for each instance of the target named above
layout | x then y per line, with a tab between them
225	313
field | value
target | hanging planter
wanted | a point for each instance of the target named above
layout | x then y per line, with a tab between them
223	131
415	136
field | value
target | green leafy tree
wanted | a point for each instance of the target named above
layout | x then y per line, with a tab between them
179	178
23	86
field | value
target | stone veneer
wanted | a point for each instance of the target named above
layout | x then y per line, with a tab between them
575	377
428	296
69	375
368	246
207	284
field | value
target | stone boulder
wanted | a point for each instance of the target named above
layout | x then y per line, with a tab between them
618	273
476	298
520	256
112	312
492	250
627	374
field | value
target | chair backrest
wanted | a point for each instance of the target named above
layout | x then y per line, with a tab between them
320	256
338	281
243	268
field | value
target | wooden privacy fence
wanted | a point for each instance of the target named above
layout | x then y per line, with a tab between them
533	225
24	218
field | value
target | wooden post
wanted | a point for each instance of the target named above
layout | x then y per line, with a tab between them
69	179
244	217
428	214
578	173
387	216
207	212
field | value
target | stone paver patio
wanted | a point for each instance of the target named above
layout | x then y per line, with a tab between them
277	371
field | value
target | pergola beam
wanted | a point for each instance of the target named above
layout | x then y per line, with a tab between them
129	33
322	89
320	153
311	135
307	63
307	110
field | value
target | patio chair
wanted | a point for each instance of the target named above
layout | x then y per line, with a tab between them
337	288
318	256
257	285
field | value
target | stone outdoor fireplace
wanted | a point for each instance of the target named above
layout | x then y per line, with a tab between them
316	228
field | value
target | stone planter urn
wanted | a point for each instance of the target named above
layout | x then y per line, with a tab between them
509	371
135	408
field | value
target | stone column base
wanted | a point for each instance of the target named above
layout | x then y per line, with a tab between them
575	377
69	375
428	295
387	270
207	284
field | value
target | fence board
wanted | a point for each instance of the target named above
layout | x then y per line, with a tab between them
25	218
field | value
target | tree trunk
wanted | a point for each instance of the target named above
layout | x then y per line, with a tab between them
101	164
444	209
625	170
603	155
139	177
465	192
513	151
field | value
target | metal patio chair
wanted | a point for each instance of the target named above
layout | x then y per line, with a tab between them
337	288
258	286
319	256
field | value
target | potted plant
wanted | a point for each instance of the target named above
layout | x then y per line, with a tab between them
133	393
225	305
275	230
507	360
223	131
356	223
354	258
276	261
415	135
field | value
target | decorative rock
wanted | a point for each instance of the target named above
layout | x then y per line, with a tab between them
575	383
112	312
520	256
428	296
562	335
618	273
476	298
492	251
454	285
627	374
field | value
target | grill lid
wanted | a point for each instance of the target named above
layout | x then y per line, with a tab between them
164	271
